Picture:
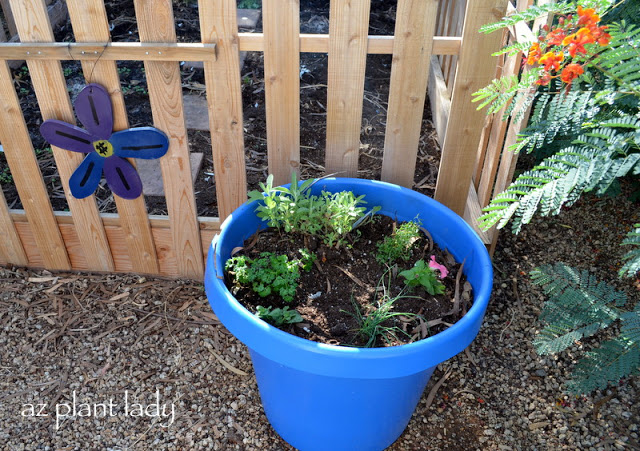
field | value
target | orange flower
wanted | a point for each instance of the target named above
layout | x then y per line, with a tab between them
604	39
600	35
551	61
544	80
535	52
556	36
576	42
587	16
571	72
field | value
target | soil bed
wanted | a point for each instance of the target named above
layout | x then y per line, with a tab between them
344	278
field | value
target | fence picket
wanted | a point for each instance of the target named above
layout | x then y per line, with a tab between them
219	25
26	174
90	24
156	24
281	24
415	25
348	32
11	250
475	70
32	22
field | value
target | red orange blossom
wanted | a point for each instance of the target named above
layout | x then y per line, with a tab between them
557	48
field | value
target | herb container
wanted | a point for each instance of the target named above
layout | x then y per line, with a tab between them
325	397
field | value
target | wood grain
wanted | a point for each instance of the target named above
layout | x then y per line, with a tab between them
90	24
218	24
439	99
112	51
156	24
348	38
415	25
476	68
11	250
281	23
319	43
161	229
496	140
22	161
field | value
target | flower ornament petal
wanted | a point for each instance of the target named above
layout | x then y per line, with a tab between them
122	177
86	177
106	150
142	142
67	136
93	108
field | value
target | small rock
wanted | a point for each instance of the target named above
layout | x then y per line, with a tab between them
540	373
538	425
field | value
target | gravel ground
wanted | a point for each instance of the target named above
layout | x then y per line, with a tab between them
120	344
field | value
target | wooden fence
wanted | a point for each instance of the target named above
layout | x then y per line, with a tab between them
427	31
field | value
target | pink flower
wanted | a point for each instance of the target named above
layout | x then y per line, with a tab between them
435	265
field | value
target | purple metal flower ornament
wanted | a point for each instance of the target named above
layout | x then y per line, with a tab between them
106	151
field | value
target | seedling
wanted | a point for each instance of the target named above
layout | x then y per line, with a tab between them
329	216
270	273
375	323
398	246
423	275
278	316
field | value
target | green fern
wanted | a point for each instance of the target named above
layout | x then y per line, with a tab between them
632	258
502	90
557	182
613	360
578	307
514	49
621	60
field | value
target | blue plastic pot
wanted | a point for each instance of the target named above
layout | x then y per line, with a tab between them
324	397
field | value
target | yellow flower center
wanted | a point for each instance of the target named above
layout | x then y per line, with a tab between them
103	148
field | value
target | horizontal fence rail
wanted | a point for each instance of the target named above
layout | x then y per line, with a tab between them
175	245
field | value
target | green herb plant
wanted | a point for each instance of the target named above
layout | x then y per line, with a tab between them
377	322
330	216
422	275
278	316
398	246
269	273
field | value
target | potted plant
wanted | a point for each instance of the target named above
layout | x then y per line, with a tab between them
320	396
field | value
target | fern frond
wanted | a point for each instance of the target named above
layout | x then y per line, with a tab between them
613	360
578	306
555	115
620	60
532	13
621	122
514	49
558	181
503	90
632	258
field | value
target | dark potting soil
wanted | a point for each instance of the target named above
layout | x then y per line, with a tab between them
344	278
